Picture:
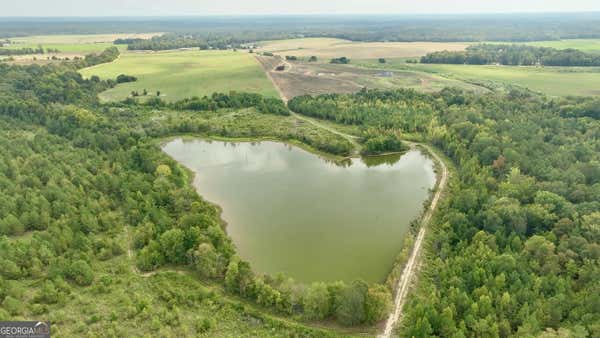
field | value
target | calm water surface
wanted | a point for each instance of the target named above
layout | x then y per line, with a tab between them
291	211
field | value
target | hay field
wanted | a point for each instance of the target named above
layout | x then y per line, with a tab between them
181	74
330	48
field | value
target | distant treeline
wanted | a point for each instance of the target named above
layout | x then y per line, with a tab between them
490	27
108	55
217	101
126	41
514	55
26	51
176	41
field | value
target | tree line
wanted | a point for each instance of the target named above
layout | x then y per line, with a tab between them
188	40
26	51
442	28
514	55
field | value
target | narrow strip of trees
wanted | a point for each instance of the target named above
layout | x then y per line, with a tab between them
514	55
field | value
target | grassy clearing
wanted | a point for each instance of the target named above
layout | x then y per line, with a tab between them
125	304
69	47
250	125
180	74
330	48
553	81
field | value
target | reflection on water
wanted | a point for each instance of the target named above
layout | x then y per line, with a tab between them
374	161
290	211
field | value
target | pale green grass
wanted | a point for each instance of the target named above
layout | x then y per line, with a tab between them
553	81
181	74
84	48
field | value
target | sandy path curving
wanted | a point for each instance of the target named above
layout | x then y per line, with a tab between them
411	266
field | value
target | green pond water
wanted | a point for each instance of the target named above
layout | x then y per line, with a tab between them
291	211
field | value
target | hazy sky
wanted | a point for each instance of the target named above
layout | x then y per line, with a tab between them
235	7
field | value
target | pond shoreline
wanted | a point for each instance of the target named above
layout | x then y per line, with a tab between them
287	190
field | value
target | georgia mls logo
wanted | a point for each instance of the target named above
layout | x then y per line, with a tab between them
31	329
41	328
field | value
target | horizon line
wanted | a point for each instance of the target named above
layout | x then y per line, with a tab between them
298	14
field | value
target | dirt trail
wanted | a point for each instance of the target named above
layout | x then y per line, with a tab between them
411	266
348	137
130	252
287	67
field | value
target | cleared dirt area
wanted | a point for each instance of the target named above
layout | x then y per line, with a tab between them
311	78
331	48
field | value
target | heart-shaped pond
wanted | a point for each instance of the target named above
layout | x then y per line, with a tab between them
290	211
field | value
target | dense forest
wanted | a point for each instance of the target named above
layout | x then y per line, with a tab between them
474	27
81	173
514	55
513	251
515	247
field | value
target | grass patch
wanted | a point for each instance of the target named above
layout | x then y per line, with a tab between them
553	81
181	74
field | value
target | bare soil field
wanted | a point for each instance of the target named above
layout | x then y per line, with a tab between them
310	78
330	48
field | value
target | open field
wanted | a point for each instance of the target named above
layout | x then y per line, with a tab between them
69	46
80	48
301	78
75	39
553	81
65	52
180	74
331	48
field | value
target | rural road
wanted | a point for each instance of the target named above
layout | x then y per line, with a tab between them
411	266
